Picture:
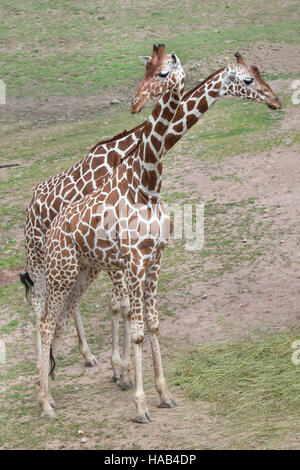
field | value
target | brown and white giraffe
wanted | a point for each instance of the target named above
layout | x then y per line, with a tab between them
50	197
122	226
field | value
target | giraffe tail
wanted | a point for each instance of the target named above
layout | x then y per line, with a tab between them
52	364
28	283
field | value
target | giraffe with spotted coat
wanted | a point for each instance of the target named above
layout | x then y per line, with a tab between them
122	226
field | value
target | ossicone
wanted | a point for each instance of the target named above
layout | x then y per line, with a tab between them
239	58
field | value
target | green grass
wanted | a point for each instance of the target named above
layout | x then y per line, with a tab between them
58	142
73	48
252	383
235	127
12	254
9	327
235	235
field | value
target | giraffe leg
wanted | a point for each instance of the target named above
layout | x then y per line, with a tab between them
120	302
115	356
89	358
58	333
125	382
150	294
44	396
38	302
143	415
34	246
50	329
85	277
166	399
59	287
71	306
135	284
47	326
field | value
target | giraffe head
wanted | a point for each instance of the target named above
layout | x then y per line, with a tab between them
163	73
245	81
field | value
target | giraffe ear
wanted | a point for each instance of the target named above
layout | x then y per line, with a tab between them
175	60
231	76
145	58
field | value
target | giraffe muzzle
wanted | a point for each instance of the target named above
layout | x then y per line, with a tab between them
138	104
275	104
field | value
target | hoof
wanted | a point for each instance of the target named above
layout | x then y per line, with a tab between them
142	419
170	403
48	414
91	363
116	378
125	385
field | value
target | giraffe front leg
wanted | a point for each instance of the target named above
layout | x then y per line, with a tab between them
39	349
120	302
166	399
135	284
115	356
125	382
143	415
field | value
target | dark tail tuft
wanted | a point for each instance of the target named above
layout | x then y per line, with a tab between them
28	283
52	364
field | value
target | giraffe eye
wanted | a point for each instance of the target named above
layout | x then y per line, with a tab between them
248	81
163	75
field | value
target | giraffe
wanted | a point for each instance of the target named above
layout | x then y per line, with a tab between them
50	197
80	243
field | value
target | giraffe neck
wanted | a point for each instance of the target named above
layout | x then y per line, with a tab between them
146	164
194	104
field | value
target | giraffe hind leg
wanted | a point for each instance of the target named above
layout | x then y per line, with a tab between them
119	303
51	328
38	299
85	277
115	356
89	359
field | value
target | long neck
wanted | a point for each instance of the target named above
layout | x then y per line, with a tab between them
193	105
147	165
